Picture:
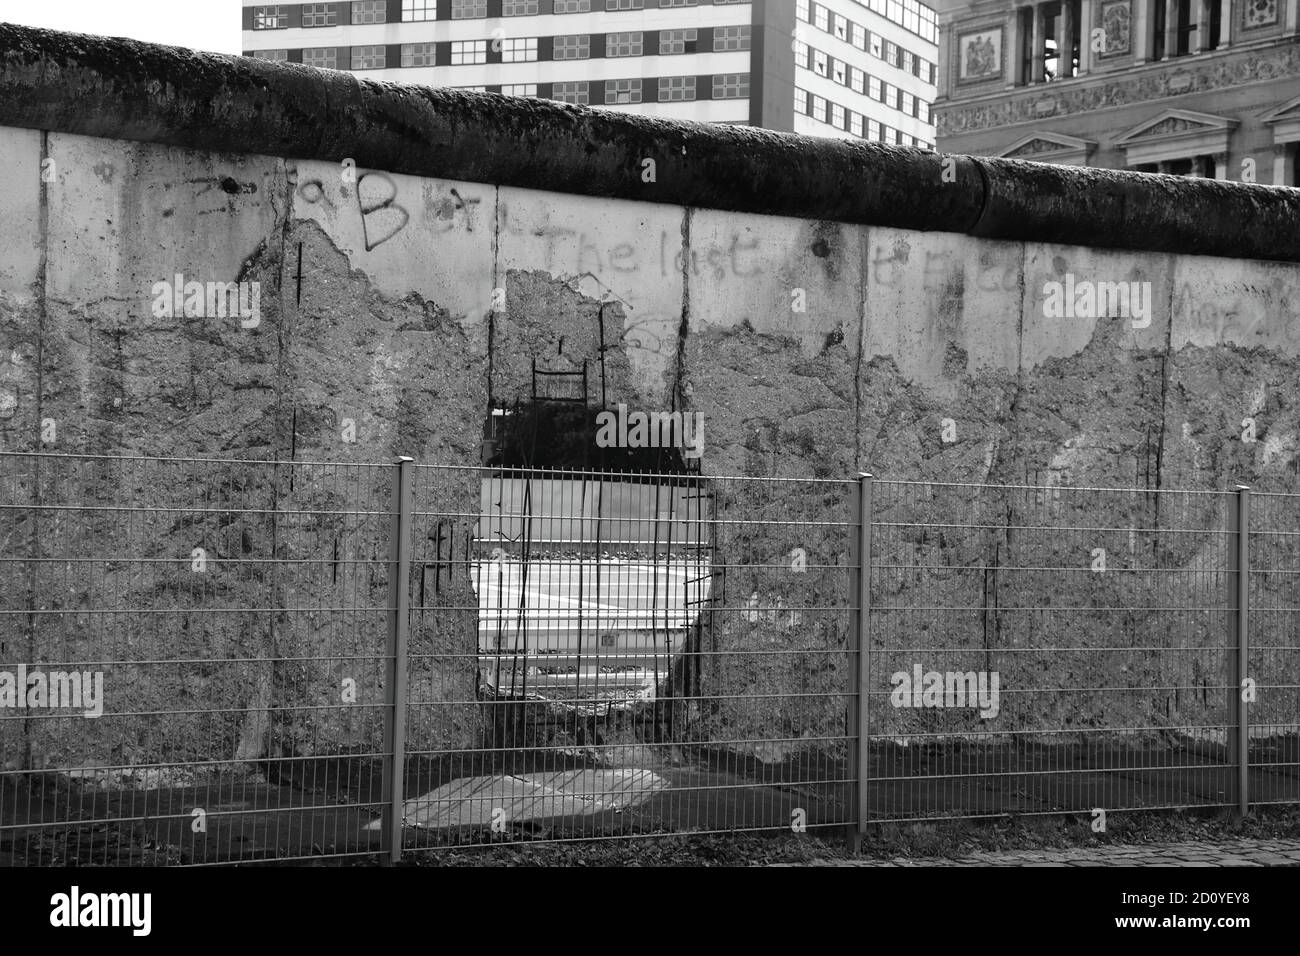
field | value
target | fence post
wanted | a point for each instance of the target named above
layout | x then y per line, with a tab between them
1239	588
399	620
860	642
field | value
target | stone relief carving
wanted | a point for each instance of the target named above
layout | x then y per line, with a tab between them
1116	19
1218	74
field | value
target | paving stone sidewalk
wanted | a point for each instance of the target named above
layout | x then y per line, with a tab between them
1220	853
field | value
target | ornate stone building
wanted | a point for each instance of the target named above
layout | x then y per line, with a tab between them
1195	87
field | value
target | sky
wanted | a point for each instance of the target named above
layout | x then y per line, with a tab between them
199	24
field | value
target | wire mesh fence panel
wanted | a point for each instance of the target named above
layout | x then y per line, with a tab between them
194	652
207	661
1045	649
599	654
1274	648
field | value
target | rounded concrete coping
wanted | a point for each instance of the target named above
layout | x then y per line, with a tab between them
124	89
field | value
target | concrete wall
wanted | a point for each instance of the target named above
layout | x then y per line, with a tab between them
813	345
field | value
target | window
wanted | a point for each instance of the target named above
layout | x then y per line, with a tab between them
468	51
873	88
370	11
618	92
320	14
731	86
820	65
819	108
468	9
577	47
839	72
575	92
731	38
873	130
678	3
368	57
519	8
623	44
278	56
908	105
520	89
800	101
419	10
820	15
678	41
908	61
270	18
800	53
327	58
877	46
801	10
855	124
859	37
891	53
841	28
418	54
859	80
837	116
676	88
624	4
572	6
519	50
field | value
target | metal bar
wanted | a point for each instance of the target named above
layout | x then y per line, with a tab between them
399	619
1242	608
861	643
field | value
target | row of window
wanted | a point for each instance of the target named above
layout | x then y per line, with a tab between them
576	47
843	118
670	89
909	14
725	86
276	16
845	74
862	38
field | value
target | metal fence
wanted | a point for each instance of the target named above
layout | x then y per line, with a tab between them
229	661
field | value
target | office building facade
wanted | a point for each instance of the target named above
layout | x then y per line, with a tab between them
846	68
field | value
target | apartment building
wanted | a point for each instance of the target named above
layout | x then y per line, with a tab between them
1190	87
849	68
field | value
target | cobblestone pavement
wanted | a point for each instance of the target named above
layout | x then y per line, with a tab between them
1224	853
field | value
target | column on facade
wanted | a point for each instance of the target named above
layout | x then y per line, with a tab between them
1225	22
1085	36
1220	165
1036	49
1280	151
1198	167
1064	39
1292	12
1139	28
1171	27
1016	43
1164	166
1200	10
